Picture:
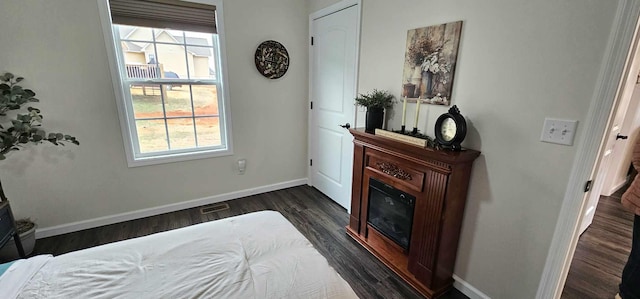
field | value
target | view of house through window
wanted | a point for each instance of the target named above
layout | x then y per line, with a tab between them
171	79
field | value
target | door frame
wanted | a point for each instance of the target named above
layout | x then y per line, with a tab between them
613	150
613	71
621	155
344	4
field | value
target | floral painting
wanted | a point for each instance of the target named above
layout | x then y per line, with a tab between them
430	62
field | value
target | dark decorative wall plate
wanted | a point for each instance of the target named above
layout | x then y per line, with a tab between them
272	59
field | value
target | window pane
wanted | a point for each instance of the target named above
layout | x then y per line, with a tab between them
201	62
172	61
147	101
135	33
181	116
208	131
199	39
205	99
169	36
135	66
132	53
177	100
152	135
181	134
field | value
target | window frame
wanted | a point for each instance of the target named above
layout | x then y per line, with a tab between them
125	105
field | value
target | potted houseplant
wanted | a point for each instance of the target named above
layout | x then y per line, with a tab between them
18	130
375	101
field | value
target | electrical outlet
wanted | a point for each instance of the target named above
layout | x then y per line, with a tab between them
559	131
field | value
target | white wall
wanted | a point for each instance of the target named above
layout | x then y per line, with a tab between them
519	62
315	5
59	47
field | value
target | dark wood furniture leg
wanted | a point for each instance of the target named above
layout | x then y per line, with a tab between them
8	228
16	238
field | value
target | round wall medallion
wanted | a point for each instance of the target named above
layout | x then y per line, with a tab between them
272	59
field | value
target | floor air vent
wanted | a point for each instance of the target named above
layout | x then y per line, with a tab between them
214	208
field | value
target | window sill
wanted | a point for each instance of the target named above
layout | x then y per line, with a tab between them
171	158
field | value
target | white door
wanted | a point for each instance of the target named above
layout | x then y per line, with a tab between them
333	89
621	157
611	141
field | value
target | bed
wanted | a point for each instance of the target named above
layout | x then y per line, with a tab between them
257	255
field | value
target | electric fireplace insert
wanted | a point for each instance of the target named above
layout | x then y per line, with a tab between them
391	212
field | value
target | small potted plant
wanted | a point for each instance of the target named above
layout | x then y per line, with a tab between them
375	101
18	130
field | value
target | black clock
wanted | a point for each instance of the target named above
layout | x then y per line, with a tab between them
450	130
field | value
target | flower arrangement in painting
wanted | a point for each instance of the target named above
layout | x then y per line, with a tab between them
435	63
419	50
427	54
430	59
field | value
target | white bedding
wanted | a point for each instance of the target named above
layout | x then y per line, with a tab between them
258	255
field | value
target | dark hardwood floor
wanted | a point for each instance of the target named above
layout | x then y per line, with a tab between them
602	252
317	217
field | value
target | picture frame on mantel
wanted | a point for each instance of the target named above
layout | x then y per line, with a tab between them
430	61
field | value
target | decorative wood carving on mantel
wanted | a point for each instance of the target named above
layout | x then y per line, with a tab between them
439	181
394	171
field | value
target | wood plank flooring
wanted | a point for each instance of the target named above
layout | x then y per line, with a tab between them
602	251
318	218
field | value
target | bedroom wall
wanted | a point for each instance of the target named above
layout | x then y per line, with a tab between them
315	5
519	62
59	47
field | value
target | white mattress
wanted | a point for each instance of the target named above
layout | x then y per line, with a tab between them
258	255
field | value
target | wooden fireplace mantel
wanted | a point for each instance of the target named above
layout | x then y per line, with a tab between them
439	180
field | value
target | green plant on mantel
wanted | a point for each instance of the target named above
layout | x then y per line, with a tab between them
23	129
376	99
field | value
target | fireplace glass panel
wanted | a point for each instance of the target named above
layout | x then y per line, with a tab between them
391	212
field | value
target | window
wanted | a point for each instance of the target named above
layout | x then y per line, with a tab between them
173	100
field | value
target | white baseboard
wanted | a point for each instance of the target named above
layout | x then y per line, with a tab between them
615	188
468	289
106	220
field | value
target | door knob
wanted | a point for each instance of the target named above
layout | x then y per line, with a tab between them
621	137
346	126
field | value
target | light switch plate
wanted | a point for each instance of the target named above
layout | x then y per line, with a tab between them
559	131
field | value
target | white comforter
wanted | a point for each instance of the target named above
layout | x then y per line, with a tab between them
258	255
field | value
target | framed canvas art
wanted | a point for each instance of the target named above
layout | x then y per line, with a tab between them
430	63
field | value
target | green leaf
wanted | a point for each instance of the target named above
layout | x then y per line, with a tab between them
2	157
19	79
59	136
4	86
51	136
29	92
8	75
